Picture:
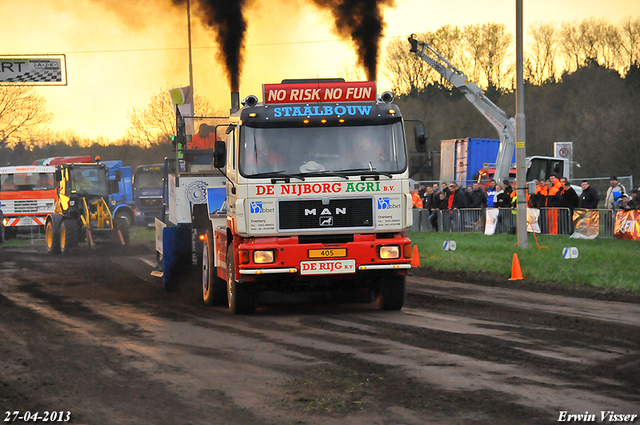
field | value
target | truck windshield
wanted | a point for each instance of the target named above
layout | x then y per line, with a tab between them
26	181
90	181
149	178
313	150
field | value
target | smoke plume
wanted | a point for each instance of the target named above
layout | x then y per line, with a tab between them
362	21
227	19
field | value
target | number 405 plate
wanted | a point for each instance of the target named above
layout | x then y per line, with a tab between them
328	253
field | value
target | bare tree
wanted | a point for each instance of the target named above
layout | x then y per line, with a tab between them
407	72
540	64
591	40
488	50
157	122
448	40
351	72
630	41
600	41
573	54
22	112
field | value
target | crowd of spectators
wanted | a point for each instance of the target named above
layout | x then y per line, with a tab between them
553	193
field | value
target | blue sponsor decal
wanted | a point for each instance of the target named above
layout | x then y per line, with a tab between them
321	111
256	207
383	203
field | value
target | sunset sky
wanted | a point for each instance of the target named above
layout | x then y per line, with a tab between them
117	57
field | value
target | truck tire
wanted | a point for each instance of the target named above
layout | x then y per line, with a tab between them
390	295
122	215
68	236
123	226
241	299
52	237
213	288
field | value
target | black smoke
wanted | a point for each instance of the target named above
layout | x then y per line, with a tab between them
227	19
362	21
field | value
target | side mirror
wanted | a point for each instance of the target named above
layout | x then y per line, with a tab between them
220	154
58	176
420	138
118	175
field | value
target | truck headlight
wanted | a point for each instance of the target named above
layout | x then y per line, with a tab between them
389	252
264	257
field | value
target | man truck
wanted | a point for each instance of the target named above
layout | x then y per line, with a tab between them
147	183
316	197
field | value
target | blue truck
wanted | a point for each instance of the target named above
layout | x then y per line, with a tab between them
148	184
121	197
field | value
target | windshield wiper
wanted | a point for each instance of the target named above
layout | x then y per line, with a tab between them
323	173
366	172
277	175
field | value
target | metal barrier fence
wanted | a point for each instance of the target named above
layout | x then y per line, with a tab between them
551	221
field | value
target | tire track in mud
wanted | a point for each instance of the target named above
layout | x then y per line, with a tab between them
457	353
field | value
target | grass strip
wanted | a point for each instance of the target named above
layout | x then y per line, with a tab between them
603	263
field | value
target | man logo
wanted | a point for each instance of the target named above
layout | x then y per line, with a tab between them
256	207
383	203
326	221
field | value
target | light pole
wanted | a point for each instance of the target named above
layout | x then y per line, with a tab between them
190	57
521	171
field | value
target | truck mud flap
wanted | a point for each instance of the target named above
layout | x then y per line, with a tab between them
176	248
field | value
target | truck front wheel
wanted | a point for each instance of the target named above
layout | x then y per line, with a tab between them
241	299
52	236
213	288
390	295
68	236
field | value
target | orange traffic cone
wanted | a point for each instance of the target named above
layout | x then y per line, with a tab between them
516	273
415	259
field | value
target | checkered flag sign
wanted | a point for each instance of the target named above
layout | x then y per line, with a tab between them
49	76
31	70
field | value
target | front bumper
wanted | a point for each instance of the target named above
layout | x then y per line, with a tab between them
340	260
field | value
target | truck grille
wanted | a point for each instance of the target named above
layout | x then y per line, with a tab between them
151	202
27	206
313	214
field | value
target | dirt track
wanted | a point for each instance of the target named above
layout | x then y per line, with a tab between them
97	336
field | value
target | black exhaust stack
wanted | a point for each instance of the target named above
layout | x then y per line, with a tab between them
235	101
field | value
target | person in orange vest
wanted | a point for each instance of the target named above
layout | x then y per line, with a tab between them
205	138
417	200
9	184
554	195
541	193
44	181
